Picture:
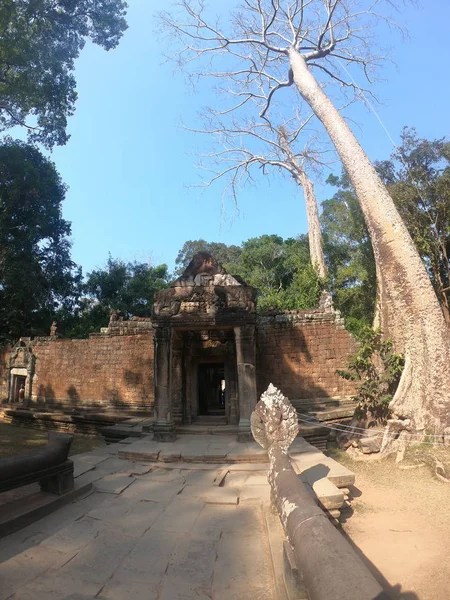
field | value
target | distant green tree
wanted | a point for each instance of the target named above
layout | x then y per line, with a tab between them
281	270
349	255
37	275
39	42
418	179
128	287
222	253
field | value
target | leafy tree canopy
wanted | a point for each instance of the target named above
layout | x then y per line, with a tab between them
349	255
281	271
128	287
36	272
39	43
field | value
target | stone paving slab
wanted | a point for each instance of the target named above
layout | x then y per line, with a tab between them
114	484
210	494
155	491
171	534
315	467
75	536
179	516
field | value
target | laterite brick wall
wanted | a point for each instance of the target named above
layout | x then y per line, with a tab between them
299	352
105	371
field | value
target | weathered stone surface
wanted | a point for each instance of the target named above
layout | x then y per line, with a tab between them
149	559
240	561
18	571
260	493
371	441
147	489
122	588
274	420
179	516
75	536
192	565
214	520
211	494
100	557
114	484
54	586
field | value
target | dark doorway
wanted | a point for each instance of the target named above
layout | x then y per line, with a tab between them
211	389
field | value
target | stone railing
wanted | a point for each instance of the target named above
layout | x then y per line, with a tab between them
326	562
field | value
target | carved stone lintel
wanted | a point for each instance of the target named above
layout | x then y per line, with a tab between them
164	431
274	421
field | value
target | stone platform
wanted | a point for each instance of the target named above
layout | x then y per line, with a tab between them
166	529
327	479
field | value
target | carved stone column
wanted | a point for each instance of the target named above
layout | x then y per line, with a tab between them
164	428
246	374
176	377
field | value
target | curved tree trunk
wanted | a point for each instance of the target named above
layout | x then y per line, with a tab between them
314	231
410	312
312	212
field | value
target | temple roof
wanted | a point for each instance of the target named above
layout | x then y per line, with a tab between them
204	270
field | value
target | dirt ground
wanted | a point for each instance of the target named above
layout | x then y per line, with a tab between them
400	521
14	440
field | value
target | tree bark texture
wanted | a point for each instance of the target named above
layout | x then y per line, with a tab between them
410	312
312	212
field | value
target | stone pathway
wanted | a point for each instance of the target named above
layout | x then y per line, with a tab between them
178	531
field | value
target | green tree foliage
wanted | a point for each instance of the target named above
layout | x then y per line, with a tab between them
418	179
36	272
349	255
39	43
222	253
281	271
128	287
378	370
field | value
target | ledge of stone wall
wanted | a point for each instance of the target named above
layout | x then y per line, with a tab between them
300	316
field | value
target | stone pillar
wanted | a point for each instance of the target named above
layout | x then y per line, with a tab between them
164	428
246	375
176	377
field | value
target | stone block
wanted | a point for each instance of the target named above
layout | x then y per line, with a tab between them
190	571
242	563
211	494
126	588
75	536
179	516
155	491
149	559
214	520
114	484
258	493
100	558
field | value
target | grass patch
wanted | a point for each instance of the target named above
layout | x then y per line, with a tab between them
15	440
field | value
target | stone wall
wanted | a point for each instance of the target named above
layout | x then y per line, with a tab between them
104	371
299	352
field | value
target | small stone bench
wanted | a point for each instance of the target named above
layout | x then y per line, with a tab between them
47	465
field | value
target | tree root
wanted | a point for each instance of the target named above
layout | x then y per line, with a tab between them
439	470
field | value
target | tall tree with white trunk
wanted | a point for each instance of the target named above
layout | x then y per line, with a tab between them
245	146
266	45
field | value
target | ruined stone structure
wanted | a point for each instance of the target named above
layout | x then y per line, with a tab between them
204	355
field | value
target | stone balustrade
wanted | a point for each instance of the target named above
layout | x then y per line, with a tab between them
328	565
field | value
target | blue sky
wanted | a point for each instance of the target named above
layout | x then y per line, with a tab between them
128	163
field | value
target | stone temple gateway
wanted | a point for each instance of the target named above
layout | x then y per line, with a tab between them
203	358
205	349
